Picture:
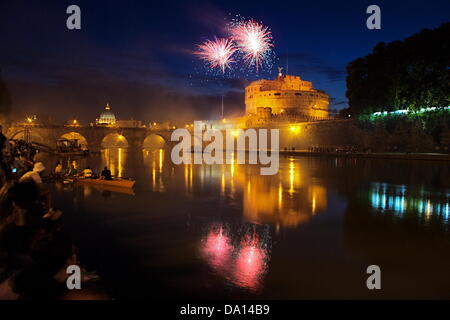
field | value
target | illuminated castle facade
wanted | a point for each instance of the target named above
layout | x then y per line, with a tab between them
286	95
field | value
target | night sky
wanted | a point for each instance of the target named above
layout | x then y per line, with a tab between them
137	55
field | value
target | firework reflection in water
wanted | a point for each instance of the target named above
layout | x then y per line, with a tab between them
241	257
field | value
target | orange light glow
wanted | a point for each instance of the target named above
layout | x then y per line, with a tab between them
235	133
294	129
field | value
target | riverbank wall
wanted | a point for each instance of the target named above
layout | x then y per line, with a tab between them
346	135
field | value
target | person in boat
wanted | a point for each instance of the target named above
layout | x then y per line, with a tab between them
87	173
35	174
106	174
72	172
58	169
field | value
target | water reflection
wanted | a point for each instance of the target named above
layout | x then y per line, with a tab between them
288	199
251	263
217	248
115	159
240	256
400	200
186	219
156	158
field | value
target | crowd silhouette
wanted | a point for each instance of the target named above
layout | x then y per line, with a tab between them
35	250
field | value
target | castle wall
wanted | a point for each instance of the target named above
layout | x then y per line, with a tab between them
345	133
286	94
311	104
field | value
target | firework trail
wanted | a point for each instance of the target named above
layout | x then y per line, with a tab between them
217	53
254	41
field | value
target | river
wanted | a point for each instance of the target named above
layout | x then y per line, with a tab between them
225	231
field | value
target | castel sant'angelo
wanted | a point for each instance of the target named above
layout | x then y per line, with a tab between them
285	97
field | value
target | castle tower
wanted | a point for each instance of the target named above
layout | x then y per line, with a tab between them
286	95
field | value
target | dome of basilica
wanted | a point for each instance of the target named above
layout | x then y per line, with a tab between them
106	117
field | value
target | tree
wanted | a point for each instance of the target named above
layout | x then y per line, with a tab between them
412	74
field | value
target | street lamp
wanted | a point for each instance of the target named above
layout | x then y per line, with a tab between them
27	132
294	129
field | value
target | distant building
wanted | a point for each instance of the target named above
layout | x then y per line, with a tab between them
107	118
285	95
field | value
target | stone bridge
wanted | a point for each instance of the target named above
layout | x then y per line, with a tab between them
94	135
301	136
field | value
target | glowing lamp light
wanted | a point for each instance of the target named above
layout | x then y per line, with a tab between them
121	137
405	111
29	120
294	129
235	133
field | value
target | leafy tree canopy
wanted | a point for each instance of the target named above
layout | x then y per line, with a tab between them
409	74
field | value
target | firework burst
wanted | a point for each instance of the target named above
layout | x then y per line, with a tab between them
254	40
217	53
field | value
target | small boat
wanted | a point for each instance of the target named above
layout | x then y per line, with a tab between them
102	187
74	154
70	147
120	183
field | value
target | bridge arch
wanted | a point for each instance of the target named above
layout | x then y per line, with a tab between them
26	134
155	141
82	141
114	140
